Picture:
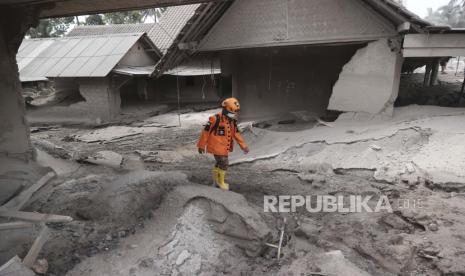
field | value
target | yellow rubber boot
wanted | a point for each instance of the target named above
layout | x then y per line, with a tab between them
215	176
221	183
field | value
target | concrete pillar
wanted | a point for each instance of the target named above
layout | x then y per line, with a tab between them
16	153
427	75
14	129
434	72
370	81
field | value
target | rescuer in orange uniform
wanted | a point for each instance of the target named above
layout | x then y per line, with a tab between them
218	136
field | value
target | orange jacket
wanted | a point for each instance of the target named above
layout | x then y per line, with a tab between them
219	140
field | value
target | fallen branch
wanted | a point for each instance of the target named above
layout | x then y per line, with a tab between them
15	225
15	267
18	202
36	247
35	217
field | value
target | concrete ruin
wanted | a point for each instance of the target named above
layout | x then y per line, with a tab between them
86	68
364	85
326	65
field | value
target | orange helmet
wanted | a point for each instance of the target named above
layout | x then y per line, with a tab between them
231	105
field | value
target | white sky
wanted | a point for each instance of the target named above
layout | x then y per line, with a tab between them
420	7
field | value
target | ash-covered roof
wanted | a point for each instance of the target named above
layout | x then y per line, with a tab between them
92	30
90	56
162	33
171	23
210	13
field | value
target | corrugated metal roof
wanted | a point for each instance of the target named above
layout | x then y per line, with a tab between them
92	56
204	17
171	23
92	30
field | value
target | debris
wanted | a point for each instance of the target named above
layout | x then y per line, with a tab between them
15	267
433	227
375	147
261	125
182	257
54	150
165	157
334	263
36	247
40	266
109	134
15	225
35	217
410	168
106	158
18	202
286	122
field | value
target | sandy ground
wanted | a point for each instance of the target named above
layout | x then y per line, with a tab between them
142	200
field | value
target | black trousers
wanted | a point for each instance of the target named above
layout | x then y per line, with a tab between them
222	162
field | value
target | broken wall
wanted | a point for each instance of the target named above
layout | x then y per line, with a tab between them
270	82
102	98
370	81
101	101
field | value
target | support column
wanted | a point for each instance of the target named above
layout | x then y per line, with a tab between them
427	75
14	129
434	72
16	153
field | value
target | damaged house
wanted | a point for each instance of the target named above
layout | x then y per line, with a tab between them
284	56
87	70
122	78
198	78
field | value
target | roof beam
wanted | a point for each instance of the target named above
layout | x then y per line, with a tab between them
434	45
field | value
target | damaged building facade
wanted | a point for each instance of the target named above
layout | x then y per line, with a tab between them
86	70
285	56
197	79
88	95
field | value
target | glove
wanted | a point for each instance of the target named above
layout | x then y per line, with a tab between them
246	150
201	151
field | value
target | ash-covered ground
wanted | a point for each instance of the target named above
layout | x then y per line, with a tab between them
142	200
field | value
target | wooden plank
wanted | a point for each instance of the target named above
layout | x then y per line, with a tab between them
15	225
15	267
35	217
18	202
36	247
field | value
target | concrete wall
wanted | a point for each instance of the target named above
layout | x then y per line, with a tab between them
370	81
102	101
136	56
273	81
265	23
